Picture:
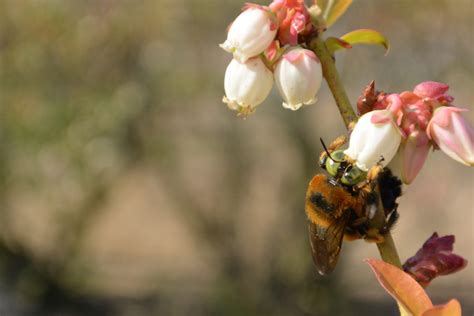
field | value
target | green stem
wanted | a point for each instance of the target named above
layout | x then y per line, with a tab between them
334	81
388	251
387	248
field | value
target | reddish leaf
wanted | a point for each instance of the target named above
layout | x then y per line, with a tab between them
334	43
401	286
435	258
452	308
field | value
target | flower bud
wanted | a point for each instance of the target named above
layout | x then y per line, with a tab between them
414	152
298	76
246	84
433	91
435	258
453	134
250	34
374	137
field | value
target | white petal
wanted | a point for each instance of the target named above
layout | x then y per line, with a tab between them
370	142
298	81
250	34
247	84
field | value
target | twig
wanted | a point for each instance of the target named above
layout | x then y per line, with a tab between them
387	248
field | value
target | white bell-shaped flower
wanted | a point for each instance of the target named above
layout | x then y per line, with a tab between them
298	76
250	34
374	137
246	84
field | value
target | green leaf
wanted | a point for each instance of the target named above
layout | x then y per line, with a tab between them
452	308
401	286
366	36
333	9
333	44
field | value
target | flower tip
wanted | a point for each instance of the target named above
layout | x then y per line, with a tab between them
297	106
292	107
230	103
407	180
227	47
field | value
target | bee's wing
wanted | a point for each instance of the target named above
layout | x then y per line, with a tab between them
326	243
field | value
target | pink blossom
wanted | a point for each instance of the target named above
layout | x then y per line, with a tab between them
416	114
293	18
421	129
432	90
413	111
453	134
414	152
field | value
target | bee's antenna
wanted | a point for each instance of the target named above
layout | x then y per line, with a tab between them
327	151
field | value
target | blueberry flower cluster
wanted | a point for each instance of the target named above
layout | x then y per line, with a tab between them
265	44
410	123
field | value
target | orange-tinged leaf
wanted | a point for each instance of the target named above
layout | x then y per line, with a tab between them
366	36
334	43
452	308
401	287
333	10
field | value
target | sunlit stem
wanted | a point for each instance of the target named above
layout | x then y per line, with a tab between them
388	251
334	81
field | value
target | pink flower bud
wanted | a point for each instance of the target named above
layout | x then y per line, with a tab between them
374	137
433	93
435	258
430	89
414	152
294	20
453	134
250	34
298	76
246	84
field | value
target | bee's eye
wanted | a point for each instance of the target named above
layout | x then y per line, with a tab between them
333	166
353	176
322	161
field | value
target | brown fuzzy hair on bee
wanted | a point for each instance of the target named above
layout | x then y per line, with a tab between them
329	207
336	212
325	198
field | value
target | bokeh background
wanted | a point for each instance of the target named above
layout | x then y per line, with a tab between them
128	188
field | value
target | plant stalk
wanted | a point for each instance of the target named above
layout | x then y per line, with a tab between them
334	81
388	251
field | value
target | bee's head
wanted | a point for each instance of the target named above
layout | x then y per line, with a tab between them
341	169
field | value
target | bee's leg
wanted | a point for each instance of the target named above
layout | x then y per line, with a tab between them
373	175
376	234
390	220
371	234
356	230
360	229
338	142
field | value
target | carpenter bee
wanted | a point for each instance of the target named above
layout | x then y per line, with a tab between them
342	204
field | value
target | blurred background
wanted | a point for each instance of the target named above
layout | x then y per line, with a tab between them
128	188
